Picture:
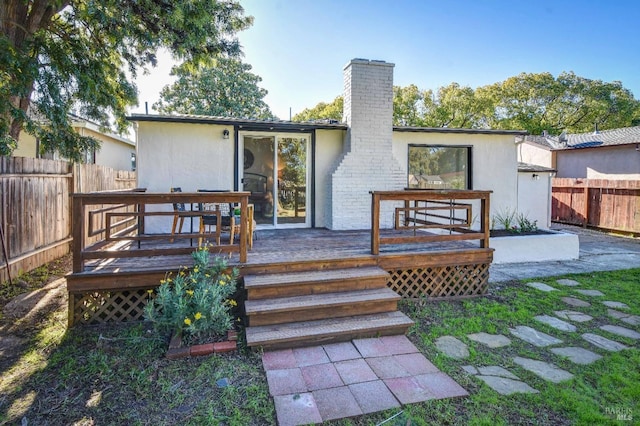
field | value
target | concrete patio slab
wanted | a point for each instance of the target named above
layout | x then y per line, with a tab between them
372	347
278	360
373	396
399	345
296	409
408	390
441	385
386	367
283	382
310	356
355	371
336	403
416	364
321	376
341	351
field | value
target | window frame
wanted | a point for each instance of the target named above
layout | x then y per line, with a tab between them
469	170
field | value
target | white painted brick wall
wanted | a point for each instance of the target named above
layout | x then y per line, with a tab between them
368	163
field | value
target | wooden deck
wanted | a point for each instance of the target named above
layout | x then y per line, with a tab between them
111	276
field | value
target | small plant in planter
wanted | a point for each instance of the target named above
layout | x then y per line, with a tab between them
512	222
197	302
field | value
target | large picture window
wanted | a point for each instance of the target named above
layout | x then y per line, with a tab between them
439	167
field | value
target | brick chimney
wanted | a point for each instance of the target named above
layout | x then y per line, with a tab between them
367	163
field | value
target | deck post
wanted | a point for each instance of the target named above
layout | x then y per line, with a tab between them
244	215
485	225
375	223
77	229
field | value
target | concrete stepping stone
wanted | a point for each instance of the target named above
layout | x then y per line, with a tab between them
544	370
592	293
621	331
568	283
500	379
573	316
541	286
556	323
603	342
617	305
452	347
491	340
533	336
623	316
575	302
577	355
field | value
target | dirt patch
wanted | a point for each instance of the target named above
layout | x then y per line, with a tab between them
33	297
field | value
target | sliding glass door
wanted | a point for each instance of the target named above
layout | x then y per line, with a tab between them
275	171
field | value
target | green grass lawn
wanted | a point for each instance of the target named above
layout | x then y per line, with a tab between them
118	374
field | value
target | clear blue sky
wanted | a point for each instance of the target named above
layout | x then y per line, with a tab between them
299	47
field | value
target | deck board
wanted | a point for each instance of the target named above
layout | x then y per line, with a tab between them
272	246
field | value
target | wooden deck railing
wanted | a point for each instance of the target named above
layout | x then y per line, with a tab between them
430	210
111	225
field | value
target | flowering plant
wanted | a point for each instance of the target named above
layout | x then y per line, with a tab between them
196	302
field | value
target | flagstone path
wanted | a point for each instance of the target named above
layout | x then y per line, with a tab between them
505	382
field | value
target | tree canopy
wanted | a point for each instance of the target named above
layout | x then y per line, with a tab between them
224	87
532	102
330	111
62	55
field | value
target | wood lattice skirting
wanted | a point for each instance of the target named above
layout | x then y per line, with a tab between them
441	281
101	307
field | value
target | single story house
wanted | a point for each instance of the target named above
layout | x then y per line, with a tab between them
605	154
320	174
115	151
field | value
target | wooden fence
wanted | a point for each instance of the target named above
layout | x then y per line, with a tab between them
600	203
35	210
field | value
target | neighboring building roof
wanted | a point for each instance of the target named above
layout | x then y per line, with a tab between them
613	137
79	122
240	122
533	168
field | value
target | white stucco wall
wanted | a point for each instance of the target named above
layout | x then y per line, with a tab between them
614	162
190	156
531	153
329	147
113	152
534	197
494	162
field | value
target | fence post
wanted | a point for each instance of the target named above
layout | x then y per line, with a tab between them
375	223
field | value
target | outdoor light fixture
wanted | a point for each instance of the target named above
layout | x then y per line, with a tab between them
535	176
225	134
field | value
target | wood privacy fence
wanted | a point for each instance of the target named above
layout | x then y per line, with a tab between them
35	206
601	203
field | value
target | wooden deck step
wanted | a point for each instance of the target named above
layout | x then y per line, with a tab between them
319	306
308	333
314	282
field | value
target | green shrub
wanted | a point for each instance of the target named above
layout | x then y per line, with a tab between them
197	302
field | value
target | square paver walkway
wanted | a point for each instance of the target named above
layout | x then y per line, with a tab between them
312	385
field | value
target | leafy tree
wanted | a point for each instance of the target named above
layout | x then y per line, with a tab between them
532	102
225	87
537	102
59	55
331	111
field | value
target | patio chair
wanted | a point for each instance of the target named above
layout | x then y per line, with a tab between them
180	213
217	215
